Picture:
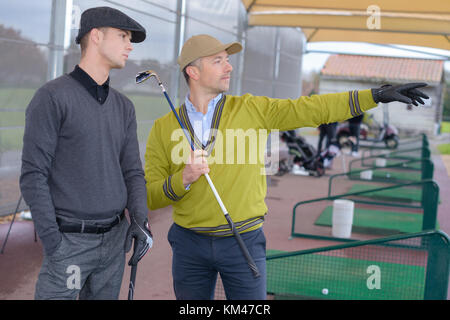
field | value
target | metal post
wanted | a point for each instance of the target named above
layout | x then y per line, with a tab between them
10	226
303	39
241	37
179	41
57	37
276	65
430	199
438	260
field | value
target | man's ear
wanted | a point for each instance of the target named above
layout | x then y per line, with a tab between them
193	72
96	35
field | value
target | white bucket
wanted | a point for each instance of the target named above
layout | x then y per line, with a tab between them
342	218
380	162
366	174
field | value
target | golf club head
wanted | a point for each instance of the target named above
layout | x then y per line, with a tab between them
144	75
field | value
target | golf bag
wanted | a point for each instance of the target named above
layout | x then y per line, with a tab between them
303	158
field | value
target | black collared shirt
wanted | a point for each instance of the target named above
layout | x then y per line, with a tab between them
99	92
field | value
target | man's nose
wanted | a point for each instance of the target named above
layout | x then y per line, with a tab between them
228	67
129	45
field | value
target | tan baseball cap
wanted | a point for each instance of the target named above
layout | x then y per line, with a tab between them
203	45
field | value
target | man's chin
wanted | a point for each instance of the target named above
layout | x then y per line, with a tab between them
219	90
225	88
119	65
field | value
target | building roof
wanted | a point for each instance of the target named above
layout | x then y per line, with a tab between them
344	66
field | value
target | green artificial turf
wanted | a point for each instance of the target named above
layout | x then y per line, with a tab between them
378	220
305	277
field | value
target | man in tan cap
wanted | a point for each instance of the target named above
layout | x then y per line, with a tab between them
200	237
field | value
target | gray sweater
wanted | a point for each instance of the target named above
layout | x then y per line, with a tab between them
80	158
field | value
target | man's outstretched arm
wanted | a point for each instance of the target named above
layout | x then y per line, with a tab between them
312	111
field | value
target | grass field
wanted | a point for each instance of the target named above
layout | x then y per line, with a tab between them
444	148
14	101
445	127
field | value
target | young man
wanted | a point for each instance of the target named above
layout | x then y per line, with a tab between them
201	240
81	167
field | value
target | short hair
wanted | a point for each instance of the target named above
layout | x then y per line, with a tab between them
186	76
85	40
193	63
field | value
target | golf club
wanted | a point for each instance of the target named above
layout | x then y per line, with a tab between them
132	277
141	77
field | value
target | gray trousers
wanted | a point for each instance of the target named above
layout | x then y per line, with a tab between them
85	265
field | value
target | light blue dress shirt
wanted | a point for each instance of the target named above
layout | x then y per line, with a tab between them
199	121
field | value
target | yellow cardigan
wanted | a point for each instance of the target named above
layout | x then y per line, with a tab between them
237	176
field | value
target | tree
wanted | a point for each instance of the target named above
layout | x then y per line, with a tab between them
22	63
446	113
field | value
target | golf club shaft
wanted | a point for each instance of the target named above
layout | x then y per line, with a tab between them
132	281
132	275
238	237
251	263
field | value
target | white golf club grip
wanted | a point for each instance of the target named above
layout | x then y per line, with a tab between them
216	194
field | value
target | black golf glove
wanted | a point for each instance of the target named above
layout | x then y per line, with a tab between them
140	231
406	93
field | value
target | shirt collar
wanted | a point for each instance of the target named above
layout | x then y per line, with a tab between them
211	105
85	79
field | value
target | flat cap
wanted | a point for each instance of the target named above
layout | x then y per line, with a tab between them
109	17
204	45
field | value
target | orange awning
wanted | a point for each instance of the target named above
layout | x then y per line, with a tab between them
403	22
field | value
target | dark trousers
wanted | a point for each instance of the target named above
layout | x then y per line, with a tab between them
326	131
355	129
354	125
197	259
